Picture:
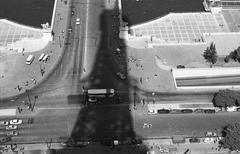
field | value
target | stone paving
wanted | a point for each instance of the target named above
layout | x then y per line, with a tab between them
181	27
15	75
232	18
20	38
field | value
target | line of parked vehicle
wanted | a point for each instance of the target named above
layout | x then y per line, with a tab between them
210	137
180	111
11	126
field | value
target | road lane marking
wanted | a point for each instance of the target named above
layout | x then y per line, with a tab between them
86	34
61	108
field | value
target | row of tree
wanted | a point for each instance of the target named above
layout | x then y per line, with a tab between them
231	137
231	132
226	98
235	55
210	54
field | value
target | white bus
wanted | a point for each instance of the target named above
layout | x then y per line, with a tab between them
45	58
100	92
41	57
94	94
30	59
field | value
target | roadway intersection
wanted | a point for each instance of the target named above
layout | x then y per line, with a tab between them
59	111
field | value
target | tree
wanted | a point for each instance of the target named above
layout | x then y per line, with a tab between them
226	98
210	54
231	137
235	55
226	59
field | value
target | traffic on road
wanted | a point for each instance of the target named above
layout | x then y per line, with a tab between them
11	127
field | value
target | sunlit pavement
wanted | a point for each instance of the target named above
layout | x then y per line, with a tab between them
16	76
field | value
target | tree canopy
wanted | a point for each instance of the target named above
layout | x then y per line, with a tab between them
226	98
235	55
231	137
210	54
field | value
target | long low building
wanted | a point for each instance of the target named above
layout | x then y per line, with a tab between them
172	106
194	78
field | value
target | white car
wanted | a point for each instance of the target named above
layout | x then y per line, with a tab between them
78	21
152	112
208	133
16	122
9	127
208	140
5	123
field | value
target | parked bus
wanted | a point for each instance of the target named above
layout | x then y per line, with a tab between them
45	58
30	59
41	57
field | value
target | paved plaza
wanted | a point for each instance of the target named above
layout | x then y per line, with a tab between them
13	36
181	27
232	18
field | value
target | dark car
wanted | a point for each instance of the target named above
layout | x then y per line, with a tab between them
162	111
76	144
121	75
187	111
6	139
209	111
175	111
199	111
180	66
238	109
194	140
136	141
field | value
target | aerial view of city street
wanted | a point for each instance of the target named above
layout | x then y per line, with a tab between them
119	76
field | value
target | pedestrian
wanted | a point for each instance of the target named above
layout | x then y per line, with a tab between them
19	110
19	88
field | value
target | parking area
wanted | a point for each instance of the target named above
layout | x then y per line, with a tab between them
181	27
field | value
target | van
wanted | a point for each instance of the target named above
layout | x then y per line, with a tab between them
78	21
45	58
29	59
41	57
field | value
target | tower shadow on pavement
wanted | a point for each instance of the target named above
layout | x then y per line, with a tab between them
110	119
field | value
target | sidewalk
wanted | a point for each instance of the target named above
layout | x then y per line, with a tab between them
16	76
158	146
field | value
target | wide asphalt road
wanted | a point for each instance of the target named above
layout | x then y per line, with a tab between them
58	124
